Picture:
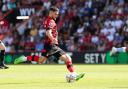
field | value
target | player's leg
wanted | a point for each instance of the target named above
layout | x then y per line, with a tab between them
68	61
20	59
60	54
2	55
118	50
31	58
42	60
43	57
38	59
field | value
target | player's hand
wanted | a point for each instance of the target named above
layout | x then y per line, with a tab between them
54	41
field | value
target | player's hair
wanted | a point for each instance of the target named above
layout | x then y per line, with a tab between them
53	8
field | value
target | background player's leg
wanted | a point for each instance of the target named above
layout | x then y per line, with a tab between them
2	55
115	50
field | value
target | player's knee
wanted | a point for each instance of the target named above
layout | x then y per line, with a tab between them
68	57
65	57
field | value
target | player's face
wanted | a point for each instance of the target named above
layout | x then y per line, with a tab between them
55	15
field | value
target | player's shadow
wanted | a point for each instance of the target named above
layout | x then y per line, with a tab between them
10	83
56	82
17	83
119	87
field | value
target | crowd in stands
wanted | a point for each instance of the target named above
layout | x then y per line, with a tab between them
83	25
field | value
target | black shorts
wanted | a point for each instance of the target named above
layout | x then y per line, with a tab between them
53	49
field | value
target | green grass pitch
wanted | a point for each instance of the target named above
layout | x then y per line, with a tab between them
53	77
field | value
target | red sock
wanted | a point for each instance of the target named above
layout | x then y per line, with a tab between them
33	58
69	66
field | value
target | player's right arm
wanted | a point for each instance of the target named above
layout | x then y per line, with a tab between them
49	35
48	25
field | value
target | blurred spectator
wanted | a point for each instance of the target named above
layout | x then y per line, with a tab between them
84	25
39	45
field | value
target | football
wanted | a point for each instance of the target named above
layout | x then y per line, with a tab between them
70	77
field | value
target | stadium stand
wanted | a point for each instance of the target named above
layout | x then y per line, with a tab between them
84	25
